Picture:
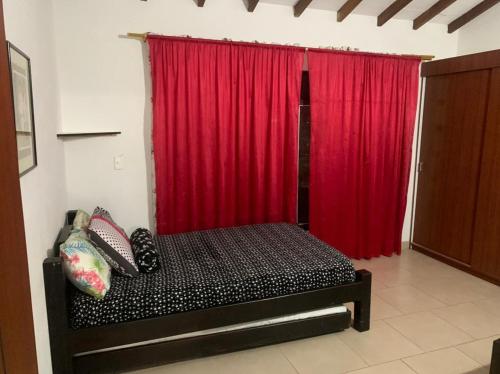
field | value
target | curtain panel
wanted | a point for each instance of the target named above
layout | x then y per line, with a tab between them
225	133
362	120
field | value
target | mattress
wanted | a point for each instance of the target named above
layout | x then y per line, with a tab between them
204	269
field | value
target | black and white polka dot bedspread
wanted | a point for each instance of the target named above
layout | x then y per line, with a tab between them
217	267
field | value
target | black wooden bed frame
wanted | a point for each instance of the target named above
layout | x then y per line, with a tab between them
495	358
142	343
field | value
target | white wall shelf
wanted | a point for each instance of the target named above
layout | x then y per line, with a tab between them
86	134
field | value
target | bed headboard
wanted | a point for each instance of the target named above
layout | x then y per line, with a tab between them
64	232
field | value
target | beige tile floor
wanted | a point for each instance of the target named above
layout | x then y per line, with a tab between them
427	318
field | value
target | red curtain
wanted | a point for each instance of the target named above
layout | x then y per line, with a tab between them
362	119
225	121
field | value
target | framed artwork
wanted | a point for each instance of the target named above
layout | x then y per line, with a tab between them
22	93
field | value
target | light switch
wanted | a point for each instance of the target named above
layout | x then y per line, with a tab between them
118	162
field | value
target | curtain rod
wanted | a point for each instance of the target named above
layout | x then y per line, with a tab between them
143	36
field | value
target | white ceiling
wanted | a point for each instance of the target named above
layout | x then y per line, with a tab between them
375	7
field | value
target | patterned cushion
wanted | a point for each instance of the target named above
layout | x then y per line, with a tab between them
112	243
145	253
105	214
84	266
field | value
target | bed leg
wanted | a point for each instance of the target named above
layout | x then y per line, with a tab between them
495	357
55	297
362	304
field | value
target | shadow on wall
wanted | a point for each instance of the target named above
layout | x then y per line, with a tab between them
148	138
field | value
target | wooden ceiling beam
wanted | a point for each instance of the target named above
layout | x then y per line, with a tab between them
391	11
346	9
471	14
430	13
251	4
300	6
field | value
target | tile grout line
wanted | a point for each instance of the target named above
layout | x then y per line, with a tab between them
443	349
478	340
380	363
457	327
415	288
473	338
353	351
288	360
453	304
465	354
375	365
425	310
442	320
403	336
433	350
469	302
416	285
408	366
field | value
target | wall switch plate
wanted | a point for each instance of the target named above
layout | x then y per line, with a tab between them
118	162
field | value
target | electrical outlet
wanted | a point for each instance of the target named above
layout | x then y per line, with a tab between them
118	162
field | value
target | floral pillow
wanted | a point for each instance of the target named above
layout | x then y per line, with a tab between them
82	220
84	266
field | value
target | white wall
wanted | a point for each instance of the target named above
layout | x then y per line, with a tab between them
29	26
104	82
481	34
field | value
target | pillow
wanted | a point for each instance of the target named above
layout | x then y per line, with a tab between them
105	214
145	254
84	266
81	221
112	243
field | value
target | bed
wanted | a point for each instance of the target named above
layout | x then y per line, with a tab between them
217	291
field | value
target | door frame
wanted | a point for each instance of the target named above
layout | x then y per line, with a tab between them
17	344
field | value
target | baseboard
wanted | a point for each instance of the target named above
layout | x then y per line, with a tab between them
405	246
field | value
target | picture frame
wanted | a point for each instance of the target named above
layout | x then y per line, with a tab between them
24	118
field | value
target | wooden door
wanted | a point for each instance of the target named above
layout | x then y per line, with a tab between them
17	343
486	248
2	367
452	133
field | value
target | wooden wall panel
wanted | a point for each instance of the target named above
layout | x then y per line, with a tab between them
16	319
486	247
452	133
